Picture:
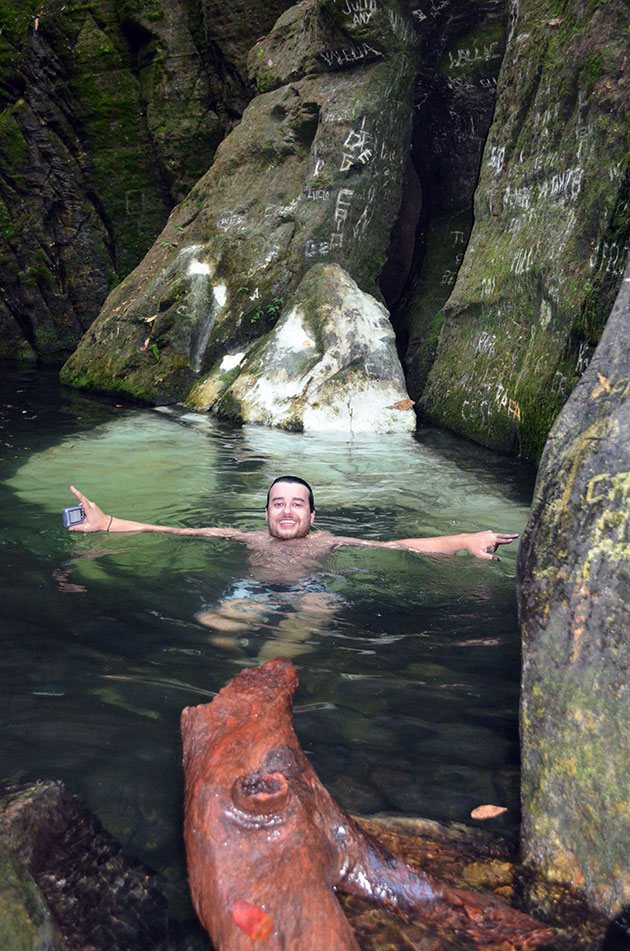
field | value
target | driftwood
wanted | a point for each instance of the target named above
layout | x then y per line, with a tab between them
267	845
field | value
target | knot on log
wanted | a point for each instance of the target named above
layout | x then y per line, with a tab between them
261	794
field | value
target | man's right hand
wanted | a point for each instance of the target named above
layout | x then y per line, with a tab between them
95	518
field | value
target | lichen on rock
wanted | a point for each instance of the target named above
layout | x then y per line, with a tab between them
574	586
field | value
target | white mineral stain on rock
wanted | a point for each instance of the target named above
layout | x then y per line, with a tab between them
198	267
220	294
231	360
360	407
293	334
545	313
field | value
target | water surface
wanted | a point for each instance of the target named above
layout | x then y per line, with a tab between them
409	674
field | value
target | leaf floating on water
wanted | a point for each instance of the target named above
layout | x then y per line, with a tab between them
487	812
402	404
252	920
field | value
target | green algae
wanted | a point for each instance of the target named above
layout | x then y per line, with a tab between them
13	146
122	164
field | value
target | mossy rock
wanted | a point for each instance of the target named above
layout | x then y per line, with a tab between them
313	173
573	573
547	249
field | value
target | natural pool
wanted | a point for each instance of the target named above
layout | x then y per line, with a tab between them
409	685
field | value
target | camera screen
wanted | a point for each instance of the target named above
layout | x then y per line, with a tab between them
75	516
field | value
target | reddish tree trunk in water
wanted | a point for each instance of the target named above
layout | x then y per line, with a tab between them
267	845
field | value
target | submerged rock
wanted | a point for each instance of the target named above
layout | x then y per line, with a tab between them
547	249
66	883
574	588
312	173
329	363
26	923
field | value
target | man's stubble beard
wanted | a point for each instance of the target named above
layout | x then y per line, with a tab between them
296	531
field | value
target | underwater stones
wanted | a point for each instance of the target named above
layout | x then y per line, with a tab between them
313	173
574	588
330	363
65	881
547	249
25	922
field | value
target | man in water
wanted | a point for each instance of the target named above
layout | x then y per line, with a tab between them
297	606
290	513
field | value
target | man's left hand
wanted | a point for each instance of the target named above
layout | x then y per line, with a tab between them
485	544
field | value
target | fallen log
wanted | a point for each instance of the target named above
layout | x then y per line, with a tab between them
267	846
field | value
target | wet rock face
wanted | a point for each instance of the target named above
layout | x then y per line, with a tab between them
329	363
313	173
108	115
547	249
574	586
25	921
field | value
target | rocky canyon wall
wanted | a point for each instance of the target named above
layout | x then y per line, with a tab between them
547	250
495	237
312	174
109	112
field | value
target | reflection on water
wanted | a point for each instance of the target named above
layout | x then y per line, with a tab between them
408	665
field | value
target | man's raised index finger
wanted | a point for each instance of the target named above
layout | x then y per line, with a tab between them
79	495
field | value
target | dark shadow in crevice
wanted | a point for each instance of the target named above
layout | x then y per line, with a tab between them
453	111
140	43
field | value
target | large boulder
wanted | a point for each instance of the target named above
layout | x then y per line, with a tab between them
574	589
545	255
312	173
329	363
109	112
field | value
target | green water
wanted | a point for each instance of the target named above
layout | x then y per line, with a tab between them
409	683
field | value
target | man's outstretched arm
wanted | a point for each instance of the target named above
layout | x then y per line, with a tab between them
479	544
97	521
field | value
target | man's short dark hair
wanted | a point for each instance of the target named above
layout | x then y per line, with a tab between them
290	478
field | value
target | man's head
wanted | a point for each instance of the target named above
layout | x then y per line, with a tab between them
290	509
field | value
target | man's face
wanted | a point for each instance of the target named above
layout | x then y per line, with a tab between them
288	513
